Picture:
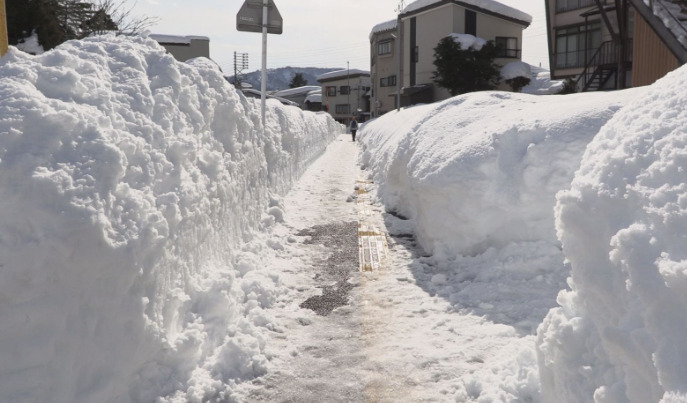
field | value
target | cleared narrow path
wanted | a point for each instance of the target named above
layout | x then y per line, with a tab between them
370	331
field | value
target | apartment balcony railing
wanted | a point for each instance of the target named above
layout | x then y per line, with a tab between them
568	5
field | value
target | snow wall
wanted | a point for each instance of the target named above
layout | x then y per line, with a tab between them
619	334
128	184
482	170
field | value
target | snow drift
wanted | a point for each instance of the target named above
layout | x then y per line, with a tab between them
129	183
619	334
482	170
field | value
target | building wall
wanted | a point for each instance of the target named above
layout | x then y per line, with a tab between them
357	96
383	66
652	58
557	20
183	51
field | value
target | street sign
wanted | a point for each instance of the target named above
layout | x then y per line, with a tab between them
249	18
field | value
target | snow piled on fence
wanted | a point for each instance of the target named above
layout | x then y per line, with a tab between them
131	186
619	335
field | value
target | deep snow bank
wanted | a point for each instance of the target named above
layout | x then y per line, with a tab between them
619	334
128	183
481	170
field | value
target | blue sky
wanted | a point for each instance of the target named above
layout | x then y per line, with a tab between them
317	33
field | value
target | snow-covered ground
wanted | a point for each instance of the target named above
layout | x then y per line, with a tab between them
485	179
156	245
129	185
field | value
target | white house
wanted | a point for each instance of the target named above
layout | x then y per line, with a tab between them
419	28
345	93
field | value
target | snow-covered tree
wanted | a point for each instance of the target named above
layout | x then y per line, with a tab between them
462	70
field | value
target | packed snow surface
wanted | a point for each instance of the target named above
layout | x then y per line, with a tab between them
489	5
619	334
136	194
481	170
130	186
516	69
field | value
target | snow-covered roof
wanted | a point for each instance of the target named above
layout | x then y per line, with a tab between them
332	75
489	5
258	94
384	26
298	90
177	39
314	97
673	18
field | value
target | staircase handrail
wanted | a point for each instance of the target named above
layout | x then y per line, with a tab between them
605	54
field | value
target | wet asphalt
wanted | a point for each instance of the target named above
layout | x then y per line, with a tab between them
341	240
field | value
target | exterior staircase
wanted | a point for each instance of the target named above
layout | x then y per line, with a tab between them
602	66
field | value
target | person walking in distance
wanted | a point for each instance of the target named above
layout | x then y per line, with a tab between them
354	127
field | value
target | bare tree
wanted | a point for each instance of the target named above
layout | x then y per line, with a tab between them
121	15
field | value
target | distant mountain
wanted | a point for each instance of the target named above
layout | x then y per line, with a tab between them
279	78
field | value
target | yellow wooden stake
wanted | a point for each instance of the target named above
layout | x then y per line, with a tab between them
3	28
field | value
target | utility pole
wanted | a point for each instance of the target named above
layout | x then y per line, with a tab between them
3	29
348	68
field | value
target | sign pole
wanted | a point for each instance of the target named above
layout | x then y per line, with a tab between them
263	84
253	17
3	29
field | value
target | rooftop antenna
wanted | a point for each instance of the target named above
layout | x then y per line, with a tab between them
400	7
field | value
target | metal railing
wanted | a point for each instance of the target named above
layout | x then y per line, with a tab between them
568	5
605	56
669	19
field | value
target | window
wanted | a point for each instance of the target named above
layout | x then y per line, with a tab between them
343	109
385	47
344	90
574	45
567	5
331	91
471	22
387	81
508	47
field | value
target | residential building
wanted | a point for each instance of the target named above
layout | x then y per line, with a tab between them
384	67
609	44
303	96
346	93
184	48
419	28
